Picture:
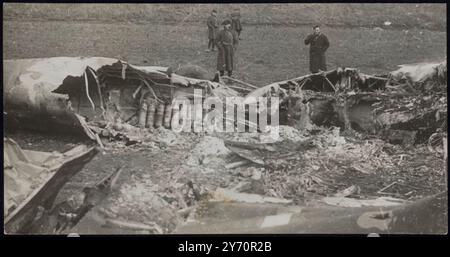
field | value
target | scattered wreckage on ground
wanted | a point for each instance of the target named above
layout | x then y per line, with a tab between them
406	105
108	99
32	180
106	96
98	95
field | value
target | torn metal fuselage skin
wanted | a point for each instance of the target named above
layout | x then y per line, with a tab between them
28	85
33	180
48	92
401	106
27	98
424	216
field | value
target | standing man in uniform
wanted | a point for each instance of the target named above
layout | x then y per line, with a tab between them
236	23
226	43
213	26
318	46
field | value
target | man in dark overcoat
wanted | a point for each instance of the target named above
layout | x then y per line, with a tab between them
236	22
226	43
318	46
213	26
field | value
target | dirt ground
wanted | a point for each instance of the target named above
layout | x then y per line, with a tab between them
266	53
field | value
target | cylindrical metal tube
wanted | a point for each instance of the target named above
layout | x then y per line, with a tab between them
159	115
175	117
142	115
167	115
151	109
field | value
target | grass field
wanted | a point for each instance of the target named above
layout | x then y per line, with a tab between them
425	16
272	48
266	53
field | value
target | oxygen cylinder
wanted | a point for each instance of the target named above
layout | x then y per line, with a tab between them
159	115
167	115
142	115
151	109
175	117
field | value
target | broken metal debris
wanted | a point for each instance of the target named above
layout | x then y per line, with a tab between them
351	202
348	191
294	170
66	214
373	104
345	137
108	93
234	218
229	196
113	95
33	180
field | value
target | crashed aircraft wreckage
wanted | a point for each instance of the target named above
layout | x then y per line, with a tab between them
104	96
404	106
32	180
96	94
397	218
107	97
